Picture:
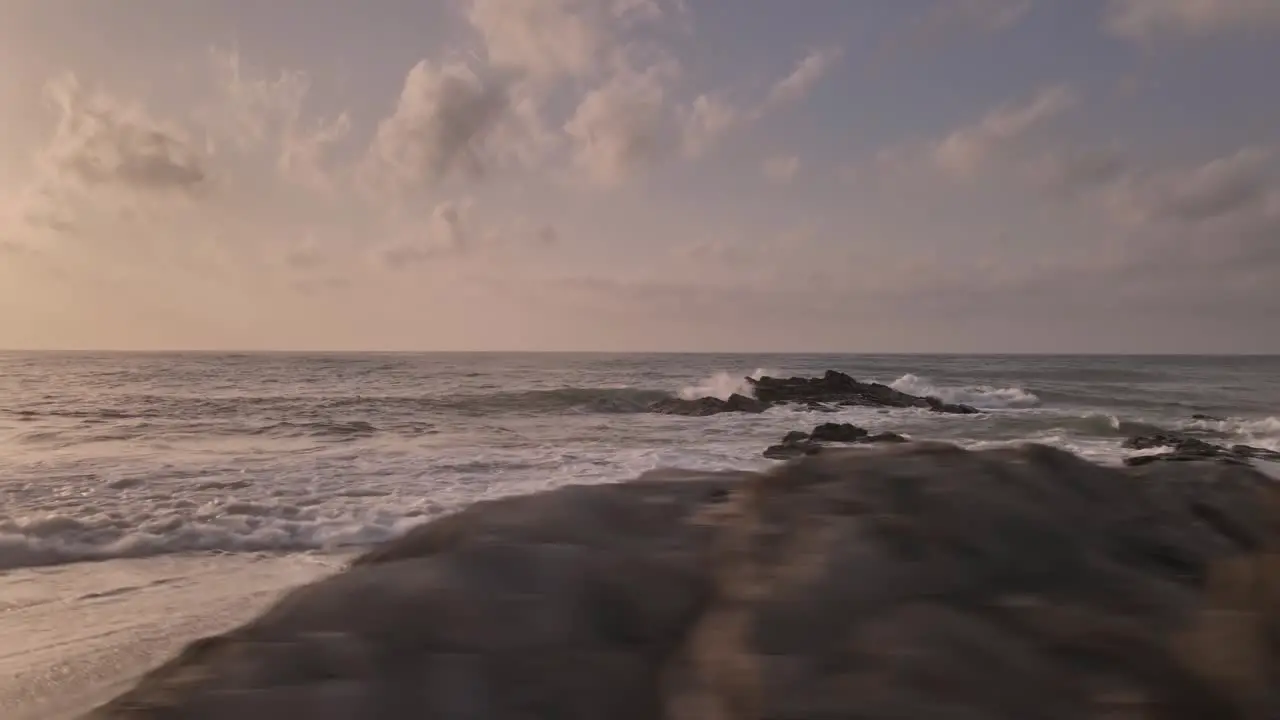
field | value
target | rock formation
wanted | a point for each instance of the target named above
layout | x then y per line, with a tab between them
797	443
913	581
818	393
1182	448
702	407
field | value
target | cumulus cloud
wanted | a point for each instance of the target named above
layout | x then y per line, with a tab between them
969	149
442	124
781	169
1148	20
99	141
804	77
623	126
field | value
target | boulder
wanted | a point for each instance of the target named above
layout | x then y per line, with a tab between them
912	581
837	432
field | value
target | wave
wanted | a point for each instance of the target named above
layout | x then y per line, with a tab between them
723	384
238	527
1259	432
980	396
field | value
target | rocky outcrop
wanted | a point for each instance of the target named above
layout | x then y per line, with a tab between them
821	394
797	443
907	582
841	389
708	406
1183	448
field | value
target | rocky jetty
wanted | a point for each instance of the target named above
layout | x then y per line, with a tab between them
912	581
1182	448
831	389
797	443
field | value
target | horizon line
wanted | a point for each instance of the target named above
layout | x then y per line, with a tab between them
864	353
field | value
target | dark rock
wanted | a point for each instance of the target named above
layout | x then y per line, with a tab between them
937	405
837	432
708	406
1184	448
787	451
916	581
796	443
885	437
795	436
817	394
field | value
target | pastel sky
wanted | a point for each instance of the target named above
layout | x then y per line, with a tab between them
719	175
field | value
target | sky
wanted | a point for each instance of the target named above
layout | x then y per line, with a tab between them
641	175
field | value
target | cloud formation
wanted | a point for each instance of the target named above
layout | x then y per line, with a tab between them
967	150
1150	20
442	122
100	141
622	126
807	73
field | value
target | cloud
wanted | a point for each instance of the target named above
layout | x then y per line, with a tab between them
1228	186
545	38
1149	20
257	111
706	120
967	150
451	229
442	124
804	77
100	141
623	126
1076	170
781	169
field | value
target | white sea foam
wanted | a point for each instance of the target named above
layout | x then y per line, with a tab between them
1259	432
981	396
722	385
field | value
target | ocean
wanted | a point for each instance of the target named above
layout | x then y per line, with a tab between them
147	498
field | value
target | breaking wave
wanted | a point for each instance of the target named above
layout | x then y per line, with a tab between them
980	396
722	385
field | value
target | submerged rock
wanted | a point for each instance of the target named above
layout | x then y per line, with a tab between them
908	582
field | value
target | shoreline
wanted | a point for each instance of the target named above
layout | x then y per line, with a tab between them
74	635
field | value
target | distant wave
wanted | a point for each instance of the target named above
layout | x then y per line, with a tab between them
980	396
722	385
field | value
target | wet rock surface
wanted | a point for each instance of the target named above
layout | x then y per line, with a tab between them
1184	448
912	581
817	393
